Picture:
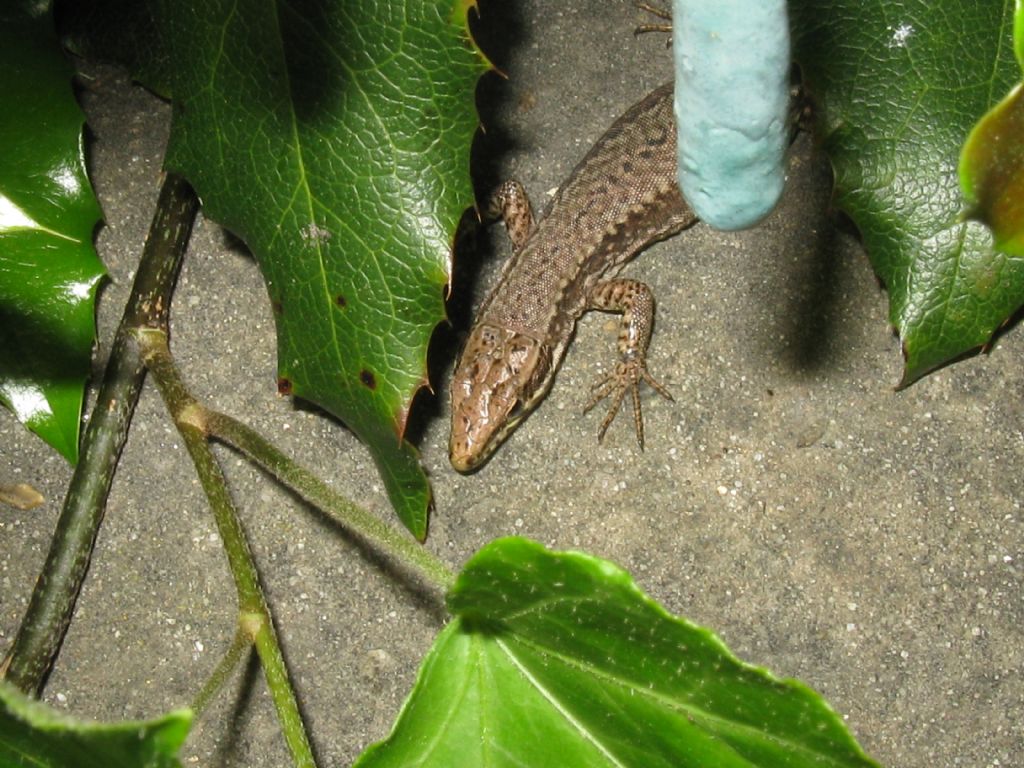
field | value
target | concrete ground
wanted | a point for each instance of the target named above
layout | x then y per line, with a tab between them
866	541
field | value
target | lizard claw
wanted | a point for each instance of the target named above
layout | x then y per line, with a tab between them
661	13
627	376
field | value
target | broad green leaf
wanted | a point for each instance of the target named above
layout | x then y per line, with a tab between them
992	162
560	659
32	734
49	271
897	87
333	138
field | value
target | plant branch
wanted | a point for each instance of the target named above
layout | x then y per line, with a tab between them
239	645
314	490
41	633
254	613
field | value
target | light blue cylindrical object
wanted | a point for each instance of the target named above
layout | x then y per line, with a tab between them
732	92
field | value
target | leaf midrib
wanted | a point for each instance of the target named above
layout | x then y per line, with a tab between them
700	716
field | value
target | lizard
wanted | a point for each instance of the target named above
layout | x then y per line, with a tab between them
621	197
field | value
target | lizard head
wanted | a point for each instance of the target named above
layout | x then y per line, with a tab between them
500	378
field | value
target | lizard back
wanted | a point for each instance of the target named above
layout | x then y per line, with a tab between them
622	196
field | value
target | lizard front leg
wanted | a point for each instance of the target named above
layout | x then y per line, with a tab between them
636	303
511	203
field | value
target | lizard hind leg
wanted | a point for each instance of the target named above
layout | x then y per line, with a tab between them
626	377
636	302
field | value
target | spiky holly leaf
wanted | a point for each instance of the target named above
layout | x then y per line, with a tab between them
333	138
49	270
898	85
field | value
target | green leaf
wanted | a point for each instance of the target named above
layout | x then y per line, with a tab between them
333	138
560	659
992	162
898	86
49	271
32	734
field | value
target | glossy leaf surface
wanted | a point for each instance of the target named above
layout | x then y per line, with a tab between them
897	87
333	138
32	734
992	162
49	270
560	659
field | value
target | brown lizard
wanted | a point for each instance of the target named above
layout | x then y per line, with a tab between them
620	198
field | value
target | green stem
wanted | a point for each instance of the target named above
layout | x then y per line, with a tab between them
254	613
314	490
220	675
53	601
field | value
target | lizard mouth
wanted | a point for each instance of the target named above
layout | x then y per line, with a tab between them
472	444
461	453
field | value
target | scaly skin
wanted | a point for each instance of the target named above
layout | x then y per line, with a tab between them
619	199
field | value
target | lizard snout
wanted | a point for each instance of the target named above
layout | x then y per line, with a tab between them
492	391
